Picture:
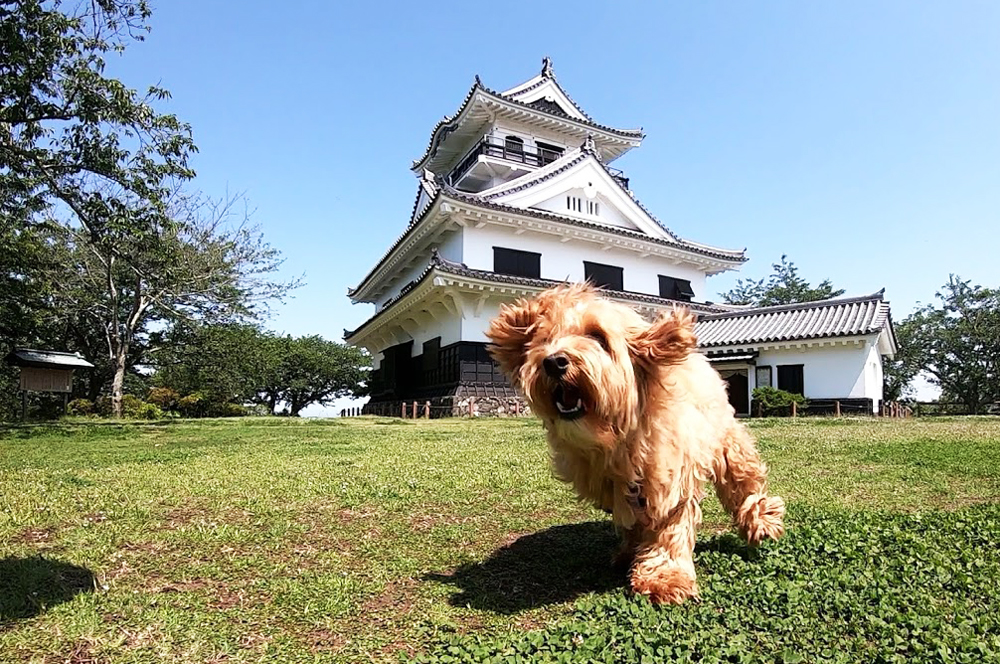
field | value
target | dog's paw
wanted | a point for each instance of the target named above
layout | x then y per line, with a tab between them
670	586
762	517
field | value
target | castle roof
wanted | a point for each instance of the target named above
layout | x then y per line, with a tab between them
836	317
554	110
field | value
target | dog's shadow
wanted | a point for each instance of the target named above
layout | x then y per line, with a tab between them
29	586
554	566
551	566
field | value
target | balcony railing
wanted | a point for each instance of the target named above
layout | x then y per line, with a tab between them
517	152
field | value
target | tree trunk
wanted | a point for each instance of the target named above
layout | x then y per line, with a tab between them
118	382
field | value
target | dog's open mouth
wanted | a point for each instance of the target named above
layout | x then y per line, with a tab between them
569	401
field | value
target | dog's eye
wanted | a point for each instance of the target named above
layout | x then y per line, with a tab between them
600	338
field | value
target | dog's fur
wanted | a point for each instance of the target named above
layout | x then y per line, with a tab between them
654	425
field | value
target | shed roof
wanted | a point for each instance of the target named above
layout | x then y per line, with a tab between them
46	359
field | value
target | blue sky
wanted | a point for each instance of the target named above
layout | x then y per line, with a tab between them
860	138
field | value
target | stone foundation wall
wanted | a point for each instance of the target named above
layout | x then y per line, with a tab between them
452	406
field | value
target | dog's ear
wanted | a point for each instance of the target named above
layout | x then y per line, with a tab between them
510	333
669	340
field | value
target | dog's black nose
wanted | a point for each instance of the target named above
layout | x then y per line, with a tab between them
556	365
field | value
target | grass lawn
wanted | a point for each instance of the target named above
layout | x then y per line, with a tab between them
347	540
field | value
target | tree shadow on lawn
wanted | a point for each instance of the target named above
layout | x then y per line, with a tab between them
551	566
555	566
29	586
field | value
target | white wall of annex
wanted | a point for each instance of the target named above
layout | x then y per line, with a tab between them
828	372
564	260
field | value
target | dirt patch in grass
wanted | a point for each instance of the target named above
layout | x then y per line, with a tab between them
44	535
324	641
397	597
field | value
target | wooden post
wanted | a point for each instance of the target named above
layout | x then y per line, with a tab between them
517	408
24	405
836	408
472	404
414	410
795	409
403	408
427	410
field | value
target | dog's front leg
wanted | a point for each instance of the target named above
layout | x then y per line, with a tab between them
664	560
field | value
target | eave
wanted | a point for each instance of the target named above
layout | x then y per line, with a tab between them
460	209
492	104
448	275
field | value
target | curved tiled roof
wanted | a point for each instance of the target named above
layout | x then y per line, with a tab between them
837	317
446	125
442	265
547	75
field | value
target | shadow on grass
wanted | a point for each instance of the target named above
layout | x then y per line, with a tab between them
552	566
29	586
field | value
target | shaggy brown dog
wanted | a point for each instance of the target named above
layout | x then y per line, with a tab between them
637	421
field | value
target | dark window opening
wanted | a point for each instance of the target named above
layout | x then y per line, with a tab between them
790	379
676	289
548	153
604	276
517	263
513	145
432	351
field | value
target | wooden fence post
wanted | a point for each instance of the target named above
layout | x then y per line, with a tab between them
795	409
517	408
414	410
472	406
836	408
427	410
403	408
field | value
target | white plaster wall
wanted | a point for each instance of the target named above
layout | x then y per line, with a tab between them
450	247
608	214
828	372
564	260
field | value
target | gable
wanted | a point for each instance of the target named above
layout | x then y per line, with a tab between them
545	94
573	186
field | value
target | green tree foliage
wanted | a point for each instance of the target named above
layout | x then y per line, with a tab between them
783	286
225	363
899	372
240	364
957	341
314	370
72	140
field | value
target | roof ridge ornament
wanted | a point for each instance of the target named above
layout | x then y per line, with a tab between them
590	146
547	67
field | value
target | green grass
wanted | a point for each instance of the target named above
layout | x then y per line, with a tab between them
298	541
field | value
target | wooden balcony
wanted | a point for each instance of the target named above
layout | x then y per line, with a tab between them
513	152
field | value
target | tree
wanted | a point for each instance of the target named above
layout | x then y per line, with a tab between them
227	363
198	265
900	371
314	370
957	342
74	142
783	286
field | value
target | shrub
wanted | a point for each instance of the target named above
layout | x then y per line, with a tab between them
771	401
192	405
227	410
164	397
134	408
81	407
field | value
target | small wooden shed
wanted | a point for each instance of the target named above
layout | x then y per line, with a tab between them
46	371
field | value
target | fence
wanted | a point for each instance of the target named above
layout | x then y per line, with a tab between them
938	408
834	408
427	409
